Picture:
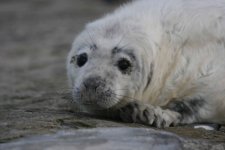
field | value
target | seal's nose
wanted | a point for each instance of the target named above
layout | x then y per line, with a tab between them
92	83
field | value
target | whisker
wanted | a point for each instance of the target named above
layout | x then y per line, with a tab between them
93	43
86	42
124	46
120	40
126	97
121	90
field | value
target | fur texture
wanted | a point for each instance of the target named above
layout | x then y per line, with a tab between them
176	50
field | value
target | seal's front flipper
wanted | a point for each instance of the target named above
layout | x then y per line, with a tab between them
137	112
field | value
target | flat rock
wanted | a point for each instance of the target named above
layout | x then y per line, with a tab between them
100	139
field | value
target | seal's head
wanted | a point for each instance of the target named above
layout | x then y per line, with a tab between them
107	67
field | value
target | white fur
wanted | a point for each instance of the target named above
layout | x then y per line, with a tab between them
185	39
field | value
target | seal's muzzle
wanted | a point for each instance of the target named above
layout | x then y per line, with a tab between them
94	83
94	93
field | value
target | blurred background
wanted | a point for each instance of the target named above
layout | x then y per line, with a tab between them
35	37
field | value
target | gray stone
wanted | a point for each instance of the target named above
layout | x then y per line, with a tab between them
100	139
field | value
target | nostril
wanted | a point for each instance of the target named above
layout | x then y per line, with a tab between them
93	83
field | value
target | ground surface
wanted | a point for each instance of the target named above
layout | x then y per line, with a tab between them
35	37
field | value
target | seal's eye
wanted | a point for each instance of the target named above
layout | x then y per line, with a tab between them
124	65
82	59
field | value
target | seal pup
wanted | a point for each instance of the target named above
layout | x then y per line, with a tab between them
156	62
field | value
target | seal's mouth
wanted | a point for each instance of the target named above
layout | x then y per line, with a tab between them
96	98
94	93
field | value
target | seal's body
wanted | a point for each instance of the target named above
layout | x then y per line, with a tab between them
158	62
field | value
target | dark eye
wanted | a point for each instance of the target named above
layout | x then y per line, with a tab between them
82	59
124	65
